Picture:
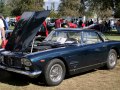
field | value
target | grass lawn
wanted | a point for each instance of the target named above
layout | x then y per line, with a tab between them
11	27
113	35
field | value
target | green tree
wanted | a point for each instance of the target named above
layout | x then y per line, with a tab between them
5	9
104	8
71	8
117	12
19	6
54	14
1	7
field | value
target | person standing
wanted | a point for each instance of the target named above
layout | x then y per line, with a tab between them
83	25
80	23
6	26
91	22
118	26
2	31
58	23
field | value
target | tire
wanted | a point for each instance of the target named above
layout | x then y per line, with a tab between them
112	59
54	72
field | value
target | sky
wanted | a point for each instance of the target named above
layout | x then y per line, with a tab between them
48	3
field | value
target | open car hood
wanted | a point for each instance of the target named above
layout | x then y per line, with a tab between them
25	30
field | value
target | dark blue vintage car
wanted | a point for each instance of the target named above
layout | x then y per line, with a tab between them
65	51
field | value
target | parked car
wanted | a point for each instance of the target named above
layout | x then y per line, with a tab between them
99	27
66	51
12	21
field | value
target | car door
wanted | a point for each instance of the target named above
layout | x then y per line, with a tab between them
93	49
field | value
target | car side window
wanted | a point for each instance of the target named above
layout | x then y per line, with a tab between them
74	35
91	38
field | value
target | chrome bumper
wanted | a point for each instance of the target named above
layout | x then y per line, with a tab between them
30	74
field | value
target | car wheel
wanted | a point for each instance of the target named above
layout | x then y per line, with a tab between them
112	59
54	72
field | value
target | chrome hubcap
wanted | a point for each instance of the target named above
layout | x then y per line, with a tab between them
56	72
112	59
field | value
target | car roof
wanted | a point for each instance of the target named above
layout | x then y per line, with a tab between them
74	29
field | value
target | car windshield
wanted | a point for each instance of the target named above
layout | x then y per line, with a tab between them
63	37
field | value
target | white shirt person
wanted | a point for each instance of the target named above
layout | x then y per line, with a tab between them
2	31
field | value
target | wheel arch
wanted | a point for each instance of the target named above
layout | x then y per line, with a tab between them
66	65
117	51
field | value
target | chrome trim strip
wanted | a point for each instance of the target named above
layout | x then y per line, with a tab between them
30	74
87	66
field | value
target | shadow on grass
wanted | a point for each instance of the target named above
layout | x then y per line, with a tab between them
80	74
20	80
17	79
9	78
